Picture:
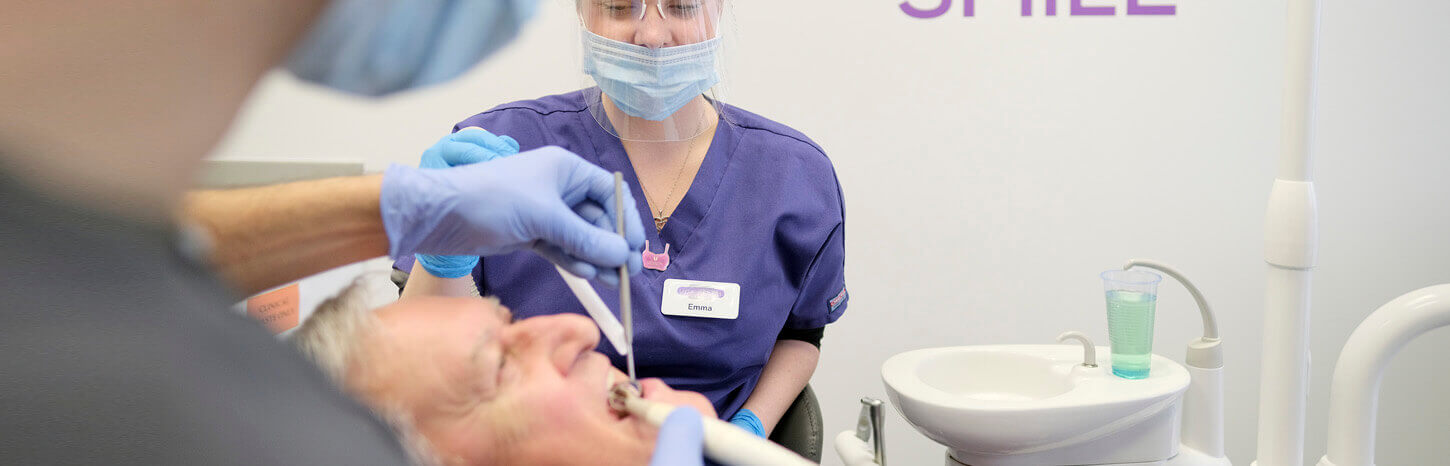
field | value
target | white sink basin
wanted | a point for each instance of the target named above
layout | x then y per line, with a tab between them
1009	405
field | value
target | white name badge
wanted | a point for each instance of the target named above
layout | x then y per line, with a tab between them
690	298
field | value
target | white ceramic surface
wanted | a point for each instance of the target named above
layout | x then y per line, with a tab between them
1032	404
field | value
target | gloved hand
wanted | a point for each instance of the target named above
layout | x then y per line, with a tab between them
746	419
467	146
681	440
547	200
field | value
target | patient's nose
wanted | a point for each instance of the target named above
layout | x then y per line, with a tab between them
560	338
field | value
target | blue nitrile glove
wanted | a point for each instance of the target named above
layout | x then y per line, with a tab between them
746	419
681	440
467	146
547	200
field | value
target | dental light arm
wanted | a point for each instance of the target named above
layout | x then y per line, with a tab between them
1203	403
1291	245
1354	391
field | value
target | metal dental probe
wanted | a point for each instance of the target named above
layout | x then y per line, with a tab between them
626	311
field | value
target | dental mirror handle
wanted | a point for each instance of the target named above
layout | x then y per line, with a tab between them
594	305
626	310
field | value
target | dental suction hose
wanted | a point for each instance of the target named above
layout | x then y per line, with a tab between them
1205	352
724	442
1210	324
1203	402
1354	391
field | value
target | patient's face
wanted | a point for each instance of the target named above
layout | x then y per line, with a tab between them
485	390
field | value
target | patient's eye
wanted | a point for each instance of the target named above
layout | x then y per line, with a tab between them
498	372
489	359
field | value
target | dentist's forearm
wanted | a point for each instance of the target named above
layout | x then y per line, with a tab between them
271	235
786	373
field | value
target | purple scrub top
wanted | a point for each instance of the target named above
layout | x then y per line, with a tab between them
765	212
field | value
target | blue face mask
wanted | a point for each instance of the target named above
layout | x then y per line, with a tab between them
650	83
377	47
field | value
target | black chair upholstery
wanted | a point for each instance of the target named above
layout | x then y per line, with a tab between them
800	428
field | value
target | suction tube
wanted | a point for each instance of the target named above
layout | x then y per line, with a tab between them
724	442
1203	403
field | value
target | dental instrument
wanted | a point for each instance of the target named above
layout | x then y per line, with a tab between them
724	442
608	324
853	447
621	337
625	308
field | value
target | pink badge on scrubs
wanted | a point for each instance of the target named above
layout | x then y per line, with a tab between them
656	261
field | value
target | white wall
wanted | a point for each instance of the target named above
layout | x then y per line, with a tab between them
993	165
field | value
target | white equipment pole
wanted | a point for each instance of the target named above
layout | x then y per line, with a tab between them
1291	244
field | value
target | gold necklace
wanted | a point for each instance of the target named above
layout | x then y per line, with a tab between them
660	217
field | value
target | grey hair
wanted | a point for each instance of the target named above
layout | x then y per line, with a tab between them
332	338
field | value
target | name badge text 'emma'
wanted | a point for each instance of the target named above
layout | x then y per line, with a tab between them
692	298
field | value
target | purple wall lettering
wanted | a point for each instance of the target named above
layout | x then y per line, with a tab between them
1051	8
1134	8
969	8
1078	9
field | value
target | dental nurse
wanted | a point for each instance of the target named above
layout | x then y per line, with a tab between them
744	258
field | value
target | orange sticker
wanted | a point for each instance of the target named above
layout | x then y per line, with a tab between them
275	309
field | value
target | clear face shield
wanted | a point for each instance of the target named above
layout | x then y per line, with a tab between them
654	66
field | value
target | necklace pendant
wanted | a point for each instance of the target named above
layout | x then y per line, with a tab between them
654	261
660	223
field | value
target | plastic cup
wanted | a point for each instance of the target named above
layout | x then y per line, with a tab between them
1132	297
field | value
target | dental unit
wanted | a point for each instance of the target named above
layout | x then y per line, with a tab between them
1059	405
1032	405
1010	405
